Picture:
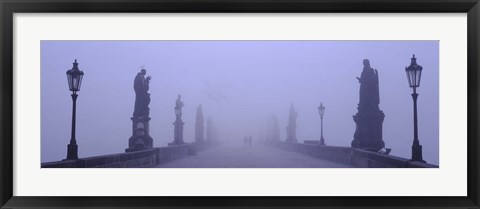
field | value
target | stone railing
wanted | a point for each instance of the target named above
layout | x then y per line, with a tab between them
144	158
347	155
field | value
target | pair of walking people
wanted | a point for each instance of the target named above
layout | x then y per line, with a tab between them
247	141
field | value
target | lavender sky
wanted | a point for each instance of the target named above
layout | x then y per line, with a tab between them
239	84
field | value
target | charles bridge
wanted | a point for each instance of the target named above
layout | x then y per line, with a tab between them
367	149
261	155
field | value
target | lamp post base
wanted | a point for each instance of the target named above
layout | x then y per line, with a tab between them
417	153
72	152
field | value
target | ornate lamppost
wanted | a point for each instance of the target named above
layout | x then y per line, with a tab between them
321	111
74	77
414	74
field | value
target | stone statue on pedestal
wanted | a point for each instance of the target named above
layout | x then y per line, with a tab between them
273	130
292	125
369	118
178	124
140	138
199	136
211	135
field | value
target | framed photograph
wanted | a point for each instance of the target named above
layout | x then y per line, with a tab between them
260	104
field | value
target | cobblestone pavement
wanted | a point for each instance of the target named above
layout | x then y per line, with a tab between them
256	156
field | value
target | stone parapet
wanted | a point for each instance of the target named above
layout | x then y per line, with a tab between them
138	159
347	155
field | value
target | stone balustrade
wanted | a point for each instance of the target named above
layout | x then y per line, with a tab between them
151	157
347	155
144	158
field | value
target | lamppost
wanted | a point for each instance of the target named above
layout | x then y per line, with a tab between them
414	74
321	111
74	77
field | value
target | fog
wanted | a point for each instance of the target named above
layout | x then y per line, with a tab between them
240	84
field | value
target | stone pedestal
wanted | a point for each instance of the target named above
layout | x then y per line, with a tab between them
291	134
140	139
368	133
178	132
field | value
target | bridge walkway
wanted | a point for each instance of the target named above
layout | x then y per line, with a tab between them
256	156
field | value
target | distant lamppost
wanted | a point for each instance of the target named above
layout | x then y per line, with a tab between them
74	77
414	73
321	111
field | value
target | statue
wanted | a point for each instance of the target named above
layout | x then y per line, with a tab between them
178	107
273	130
369	118
199	136
141	138
142	97
211	135
292	125
178	124
369	94
276	129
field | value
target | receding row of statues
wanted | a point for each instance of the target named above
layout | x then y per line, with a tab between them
368	120
141	138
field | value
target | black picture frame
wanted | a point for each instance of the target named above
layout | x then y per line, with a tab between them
9	7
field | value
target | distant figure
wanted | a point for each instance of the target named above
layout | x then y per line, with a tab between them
178	107
250	139
142	97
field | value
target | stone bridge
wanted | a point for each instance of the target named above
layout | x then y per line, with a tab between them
263	154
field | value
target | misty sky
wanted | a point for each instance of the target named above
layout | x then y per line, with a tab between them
240	84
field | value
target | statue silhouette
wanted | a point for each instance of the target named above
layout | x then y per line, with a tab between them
140	138
369	118
369	94
178	107
142	97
